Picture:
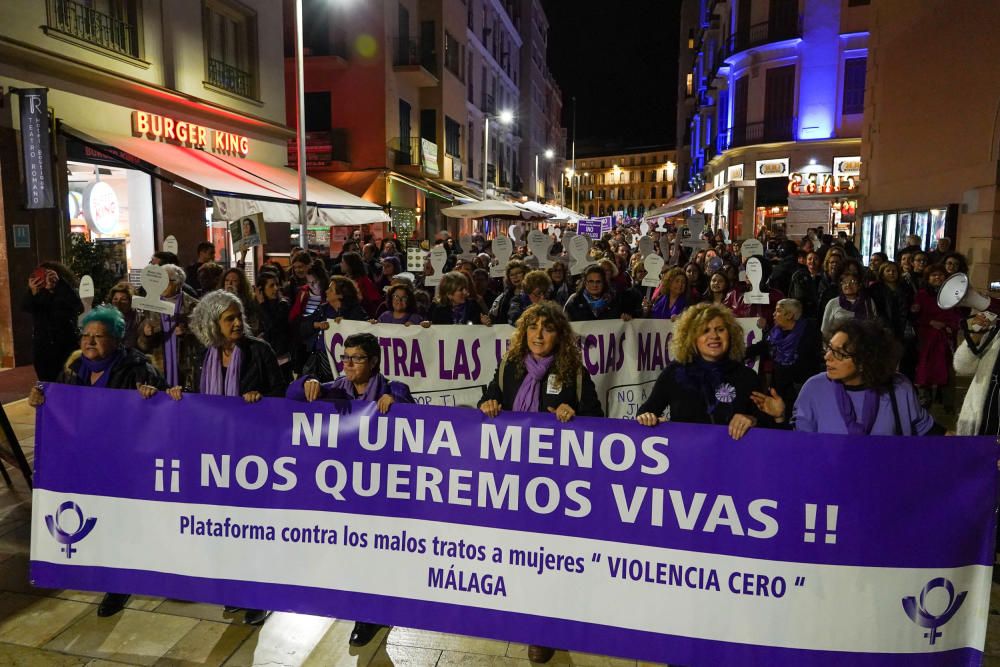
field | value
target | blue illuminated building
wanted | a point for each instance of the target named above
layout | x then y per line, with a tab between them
771	108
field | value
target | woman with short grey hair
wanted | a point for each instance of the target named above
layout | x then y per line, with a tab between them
175	351
235	364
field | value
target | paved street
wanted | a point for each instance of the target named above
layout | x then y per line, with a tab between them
52	627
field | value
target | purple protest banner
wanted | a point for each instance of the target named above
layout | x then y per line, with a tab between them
591	228
672	543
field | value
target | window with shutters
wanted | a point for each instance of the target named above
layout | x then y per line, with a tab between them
231	47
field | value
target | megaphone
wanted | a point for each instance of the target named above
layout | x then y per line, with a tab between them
956	292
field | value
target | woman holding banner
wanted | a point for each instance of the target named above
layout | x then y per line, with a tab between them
707	382
235	364
542	371
595	299
103	361
860	393
453	305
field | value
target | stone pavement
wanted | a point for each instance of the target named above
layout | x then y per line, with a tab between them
40	627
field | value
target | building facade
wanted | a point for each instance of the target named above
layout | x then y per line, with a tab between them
773	109
931	150
627	184
151	106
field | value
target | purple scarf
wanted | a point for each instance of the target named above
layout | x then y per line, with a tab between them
102	366
211	373
859	307
869	410
664	311
458	313
785	344
378	386
526	399
170	356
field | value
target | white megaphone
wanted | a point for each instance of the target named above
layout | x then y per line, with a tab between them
956	292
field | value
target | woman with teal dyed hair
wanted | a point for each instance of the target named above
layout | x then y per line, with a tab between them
102	361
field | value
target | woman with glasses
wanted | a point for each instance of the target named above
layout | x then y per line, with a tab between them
175	350
707	382
103	361
401	306
860	393
559	275
120	296
537	287
515	272
453	305
936	333
595	299
361	381
853	303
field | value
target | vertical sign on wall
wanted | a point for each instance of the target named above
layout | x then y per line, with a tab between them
35	146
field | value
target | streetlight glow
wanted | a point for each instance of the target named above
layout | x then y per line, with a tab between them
549	153
506	117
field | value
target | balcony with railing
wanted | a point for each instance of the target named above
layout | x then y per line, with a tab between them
413	155
323	148
416	61
231	79
94	27
767	32
766	132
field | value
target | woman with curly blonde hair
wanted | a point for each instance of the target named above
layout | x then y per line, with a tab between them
542	370
706	383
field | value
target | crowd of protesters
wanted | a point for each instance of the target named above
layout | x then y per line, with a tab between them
846	348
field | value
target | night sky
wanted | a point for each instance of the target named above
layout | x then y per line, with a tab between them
620	61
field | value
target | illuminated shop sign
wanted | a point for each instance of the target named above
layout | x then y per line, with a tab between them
735	172
821	184
183	133
846	166
772	168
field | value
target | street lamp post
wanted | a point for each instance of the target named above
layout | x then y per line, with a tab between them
548	156
300	124
505	117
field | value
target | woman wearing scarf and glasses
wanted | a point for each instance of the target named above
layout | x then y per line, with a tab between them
595	299
361	381
542	372
103	361
175	350
860	393
235	364
707	382
852	304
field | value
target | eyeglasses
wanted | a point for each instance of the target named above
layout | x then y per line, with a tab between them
96	338
851	282
839	355
357	359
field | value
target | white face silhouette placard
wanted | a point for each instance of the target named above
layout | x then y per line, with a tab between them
755	274
516	233
644	228
750	248
579	251
566	238
87	293
695	225
556	231
438	258
539	244
645	246
502	250
653	265
170	244
154	280
465	243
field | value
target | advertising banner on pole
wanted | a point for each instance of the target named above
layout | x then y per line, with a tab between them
38	187
670	543
452	364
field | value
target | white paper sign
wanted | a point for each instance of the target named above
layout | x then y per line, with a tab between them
579	254
540	243
653	265
755	274
695	227
154	280
87	293
465	243
502	250
516	233
170	244
750	248
644	228
439	257
645	246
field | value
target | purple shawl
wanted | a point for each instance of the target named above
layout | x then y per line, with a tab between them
211	373
102	366
869	411
170	352
526	399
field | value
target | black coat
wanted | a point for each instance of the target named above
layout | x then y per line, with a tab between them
259	370
577	309
587	406
444	314
55	333
781	276
134	369
274	325
689	396
893	305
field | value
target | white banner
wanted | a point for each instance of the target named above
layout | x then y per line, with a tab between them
451	365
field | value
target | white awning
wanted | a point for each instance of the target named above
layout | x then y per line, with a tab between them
239	187
679	205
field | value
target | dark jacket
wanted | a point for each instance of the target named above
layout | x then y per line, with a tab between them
500	308
134	369
781	276
811	291
578	310
692	400
787	380
310	334
893	305
274	325
588	404
444	314
259	369
55	334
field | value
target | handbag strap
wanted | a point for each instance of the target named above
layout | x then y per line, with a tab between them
895	412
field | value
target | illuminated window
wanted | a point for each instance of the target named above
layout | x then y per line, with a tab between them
689	85
231	47
854	85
